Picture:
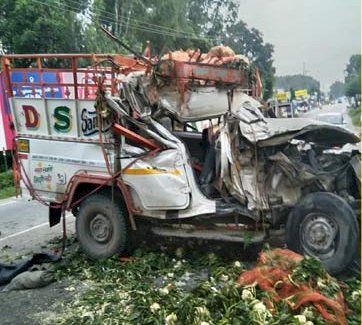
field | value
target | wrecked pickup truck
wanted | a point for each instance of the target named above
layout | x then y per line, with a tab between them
181	145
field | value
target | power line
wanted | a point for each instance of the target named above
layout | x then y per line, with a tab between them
137	22
69	8
162	30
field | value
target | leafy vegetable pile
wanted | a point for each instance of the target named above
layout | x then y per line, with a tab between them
298	281
169	288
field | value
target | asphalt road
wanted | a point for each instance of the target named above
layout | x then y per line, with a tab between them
338	107
24	227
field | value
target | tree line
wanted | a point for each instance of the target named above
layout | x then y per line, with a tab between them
298	81
351	87
72	26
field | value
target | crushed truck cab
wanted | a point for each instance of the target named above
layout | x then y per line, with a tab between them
180	144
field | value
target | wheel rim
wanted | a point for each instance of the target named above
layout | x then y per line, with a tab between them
318	233
100	228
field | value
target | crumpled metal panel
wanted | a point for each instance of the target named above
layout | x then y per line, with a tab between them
284	130
165	174
296	173
201	102
252	124
243	179
228	172
242	137
252	180
273	131
285	178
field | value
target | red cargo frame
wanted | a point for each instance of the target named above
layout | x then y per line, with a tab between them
94	71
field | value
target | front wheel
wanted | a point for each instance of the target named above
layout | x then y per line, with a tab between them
324	226
101	227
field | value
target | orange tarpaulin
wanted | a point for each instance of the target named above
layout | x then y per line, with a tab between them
273	274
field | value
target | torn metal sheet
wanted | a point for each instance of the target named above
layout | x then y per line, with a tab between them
229	174
251	180
201	102
284	130
296	173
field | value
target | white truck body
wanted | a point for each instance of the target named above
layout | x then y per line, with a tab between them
102	142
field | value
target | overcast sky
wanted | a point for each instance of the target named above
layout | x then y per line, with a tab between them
321	34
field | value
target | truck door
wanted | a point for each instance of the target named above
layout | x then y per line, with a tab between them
158	182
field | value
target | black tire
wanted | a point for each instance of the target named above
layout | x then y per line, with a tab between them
101	227
354	268
324	226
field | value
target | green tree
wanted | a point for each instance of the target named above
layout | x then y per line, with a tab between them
50	26
173	24
250	43
40	27
93	40
354	66
353	87
353	77
337	89
292	93
298	82
165	23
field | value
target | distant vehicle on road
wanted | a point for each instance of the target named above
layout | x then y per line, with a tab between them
332	118
303	106
340	100
286	109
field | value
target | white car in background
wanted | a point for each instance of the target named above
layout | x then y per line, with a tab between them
332	118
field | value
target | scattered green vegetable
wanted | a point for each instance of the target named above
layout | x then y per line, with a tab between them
162	287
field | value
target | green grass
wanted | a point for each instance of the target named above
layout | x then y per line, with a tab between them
7	188
7	192
355	114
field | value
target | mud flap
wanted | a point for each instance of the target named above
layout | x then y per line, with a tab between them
54	214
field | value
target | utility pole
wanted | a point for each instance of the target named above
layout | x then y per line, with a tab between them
128	18
116	29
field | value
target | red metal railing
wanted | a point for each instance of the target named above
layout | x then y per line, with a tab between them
77	75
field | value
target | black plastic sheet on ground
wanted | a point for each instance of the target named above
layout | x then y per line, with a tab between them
10	271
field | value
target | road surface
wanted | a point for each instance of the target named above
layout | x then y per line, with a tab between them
24	227
339	107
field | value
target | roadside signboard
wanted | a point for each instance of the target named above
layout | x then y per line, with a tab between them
301	93
282	96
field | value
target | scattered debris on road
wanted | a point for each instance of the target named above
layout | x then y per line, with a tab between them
159	287
29	273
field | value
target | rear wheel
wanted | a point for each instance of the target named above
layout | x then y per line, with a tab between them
324	226
101	227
